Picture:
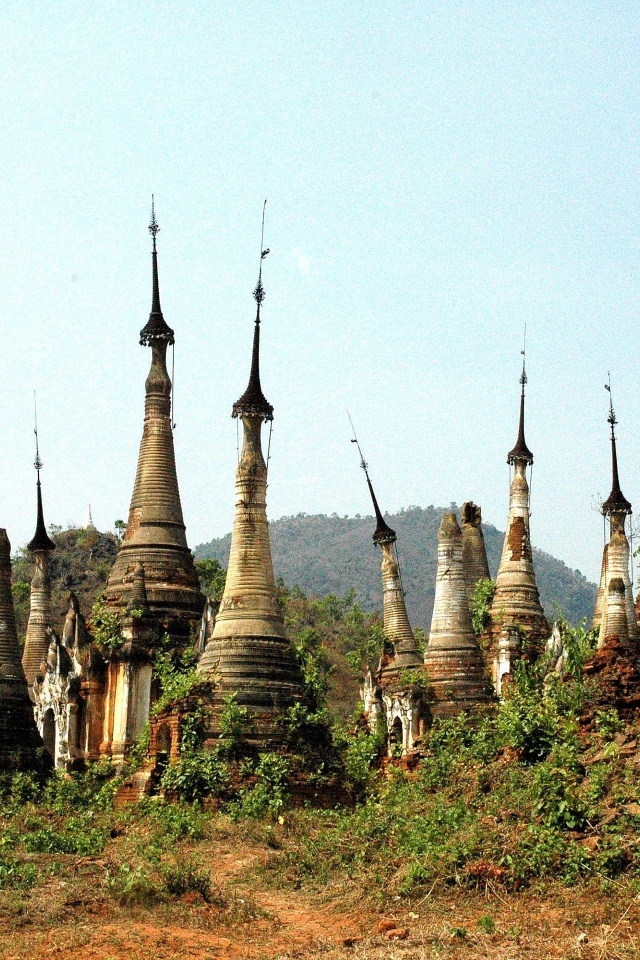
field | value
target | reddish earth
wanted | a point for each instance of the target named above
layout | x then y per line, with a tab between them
77	919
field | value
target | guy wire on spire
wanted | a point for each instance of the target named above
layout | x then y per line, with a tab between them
259	292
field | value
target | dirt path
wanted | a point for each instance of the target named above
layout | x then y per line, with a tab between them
251	921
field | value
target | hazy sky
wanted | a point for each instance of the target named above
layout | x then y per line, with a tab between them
438	175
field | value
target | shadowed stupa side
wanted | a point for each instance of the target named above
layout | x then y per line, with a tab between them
20	743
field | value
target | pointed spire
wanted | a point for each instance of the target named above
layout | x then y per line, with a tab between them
156	328
41	540
253	402
615	502
383	532
521	450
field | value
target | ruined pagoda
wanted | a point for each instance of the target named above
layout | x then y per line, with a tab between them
20	743
474	552
155	533
453	659
249	653
616	554
394	692
41	547
516	611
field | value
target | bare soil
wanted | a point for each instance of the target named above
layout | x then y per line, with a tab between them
71	914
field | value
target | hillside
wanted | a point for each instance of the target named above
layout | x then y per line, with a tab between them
325	555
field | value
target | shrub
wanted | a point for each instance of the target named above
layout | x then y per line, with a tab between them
269	795
131	886
183	878
16	875
197	774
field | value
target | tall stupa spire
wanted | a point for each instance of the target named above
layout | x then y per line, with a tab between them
40	617
249	653
253	401
616	554
516	600
397	629
155	534
521	450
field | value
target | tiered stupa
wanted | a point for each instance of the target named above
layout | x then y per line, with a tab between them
155	534
516	610
20	743
394	691
453	659
474	552
616	555
37	636
249	653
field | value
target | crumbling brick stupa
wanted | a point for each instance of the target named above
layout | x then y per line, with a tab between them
453	659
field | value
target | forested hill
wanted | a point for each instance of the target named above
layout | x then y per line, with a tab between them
331	554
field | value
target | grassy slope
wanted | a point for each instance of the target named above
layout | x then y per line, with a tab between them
325	555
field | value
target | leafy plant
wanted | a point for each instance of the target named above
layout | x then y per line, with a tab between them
481	605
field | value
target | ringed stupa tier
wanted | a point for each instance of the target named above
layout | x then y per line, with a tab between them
20	742
616	554
249	653
516	600
405	653
155	534
41	546
453	659
474	552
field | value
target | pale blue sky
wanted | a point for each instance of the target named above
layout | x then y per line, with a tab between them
437	175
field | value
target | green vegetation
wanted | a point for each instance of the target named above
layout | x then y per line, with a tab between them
481	605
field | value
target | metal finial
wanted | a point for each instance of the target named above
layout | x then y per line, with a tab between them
37	462
259	292
154	229
383	532
523	352
611	419
363	463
